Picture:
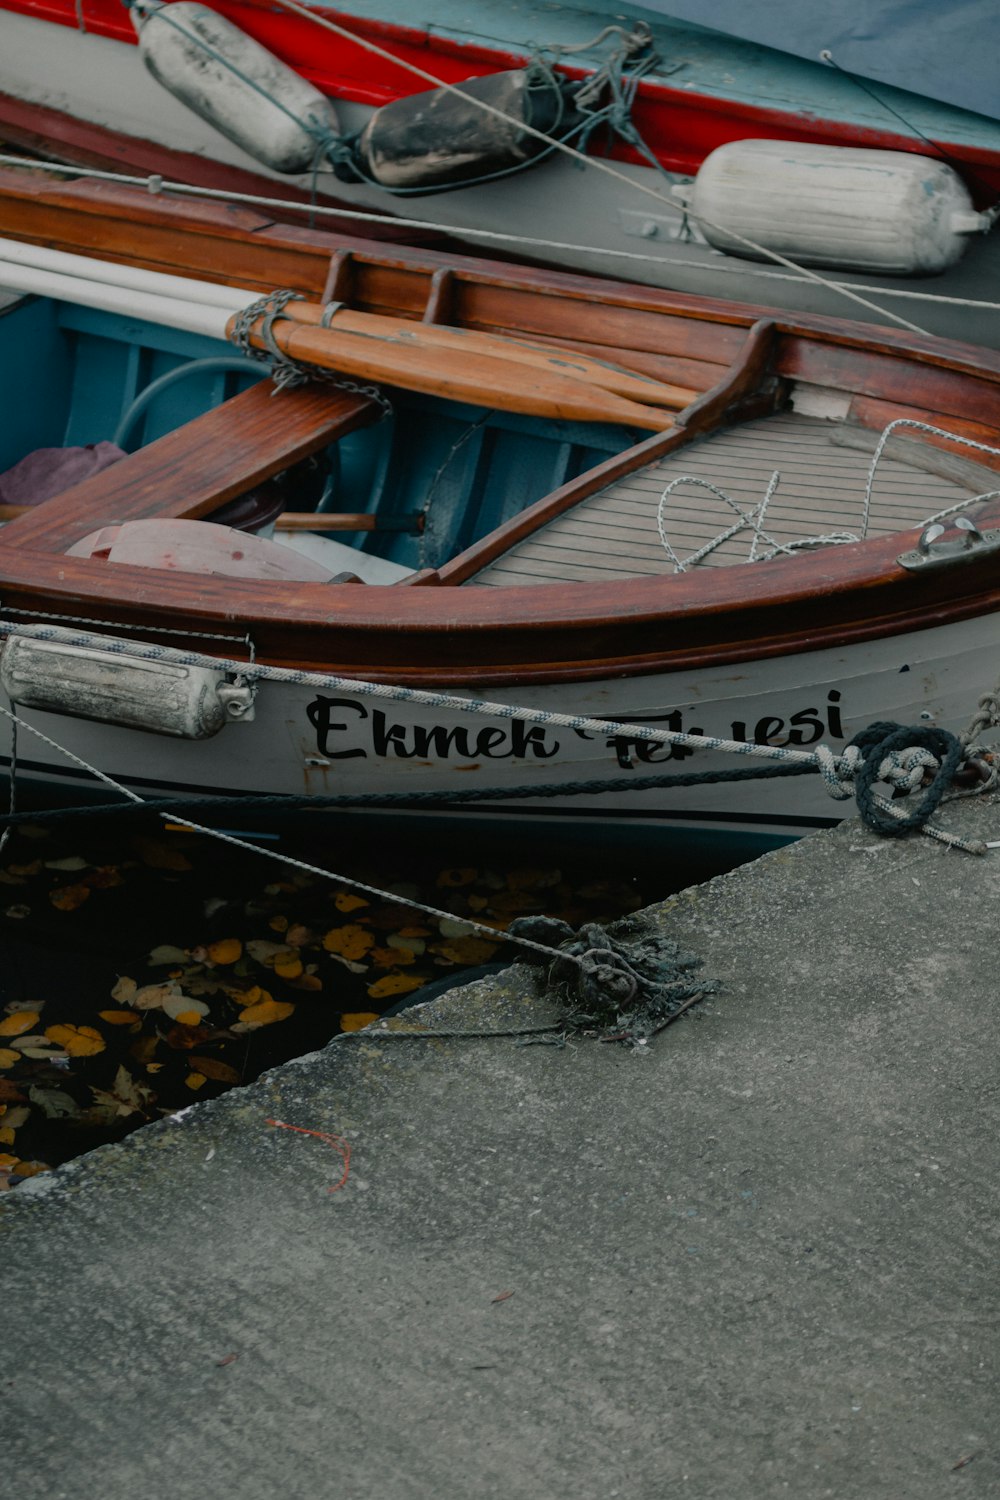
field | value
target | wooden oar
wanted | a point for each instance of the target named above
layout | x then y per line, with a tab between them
597	372
478	379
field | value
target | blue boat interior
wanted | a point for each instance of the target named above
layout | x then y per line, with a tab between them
444	474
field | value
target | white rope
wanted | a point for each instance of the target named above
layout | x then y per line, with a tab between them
837	773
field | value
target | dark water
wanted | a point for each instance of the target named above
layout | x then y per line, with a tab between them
146	968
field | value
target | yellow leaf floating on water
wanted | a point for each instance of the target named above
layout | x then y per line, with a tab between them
351	941
6	1135
69	897
8	1057
159	855
307	981
394	984
288	965
265	1012
345	901
225	951
357	1020
467	950
195	1080
119	1017
124	990
21	1020
7	1162
278	923
189	1017
212	1067
31	1168
78	1041
388	958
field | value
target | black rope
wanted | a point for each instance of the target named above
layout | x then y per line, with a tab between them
349	800
881	739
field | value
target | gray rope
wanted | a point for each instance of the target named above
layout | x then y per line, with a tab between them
837	773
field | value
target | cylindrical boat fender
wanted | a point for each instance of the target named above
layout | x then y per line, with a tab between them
240	88
437	140
848	208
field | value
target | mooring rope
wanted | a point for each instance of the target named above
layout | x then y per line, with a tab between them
838	773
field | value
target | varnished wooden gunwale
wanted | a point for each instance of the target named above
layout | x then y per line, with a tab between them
549	633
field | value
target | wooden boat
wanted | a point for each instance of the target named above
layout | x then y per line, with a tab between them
73	85
524	540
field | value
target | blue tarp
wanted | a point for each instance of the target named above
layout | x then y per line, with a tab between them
942	49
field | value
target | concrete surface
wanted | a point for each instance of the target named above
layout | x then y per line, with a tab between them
757	1258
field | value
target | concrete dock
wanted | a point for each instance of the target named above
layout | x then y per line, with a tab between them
757	1257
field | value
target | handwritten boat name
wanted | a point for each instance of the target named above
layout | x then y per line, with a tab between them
341	722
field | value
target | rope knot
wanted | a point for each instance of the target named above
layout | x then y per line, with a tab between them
907	759
622	990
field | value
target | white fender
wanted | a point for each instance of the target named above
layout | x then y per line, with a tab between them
844	207
227	78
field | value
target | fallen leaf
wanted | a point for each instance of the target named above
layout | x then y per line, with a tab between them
104	878
7	1162
78	1041
410	942
182	1008
288	965
31	1168
74	862
154	996
25	871
124	990
347	901
159	855
467	950
196	1080
55	1104
394	984
298	935
225	951
120	1018
166	953
227	1359
501	1296
6	1135
265	1012
389	958
13	1006
349	964
21	1020
309	981
69	897
453	927
10	1093
351	941
357	1020
127	1095
8	1057
213	1068
278	923
263	952
15	1115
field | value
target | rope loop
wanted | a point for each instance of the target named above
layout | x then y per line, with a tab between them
903	756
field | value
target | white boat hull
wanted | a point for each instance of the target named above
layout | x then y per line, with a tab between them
339	742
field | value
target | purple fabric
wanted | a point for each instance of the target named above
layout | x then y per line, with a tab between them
49	471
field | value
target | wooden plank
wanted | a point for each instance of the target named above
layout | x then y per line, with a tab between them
195	469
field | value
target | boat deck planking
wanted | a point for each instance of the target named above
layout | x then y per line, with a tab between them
613	534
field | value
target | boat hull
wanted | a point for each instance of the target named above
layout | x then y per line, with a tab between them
340	742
